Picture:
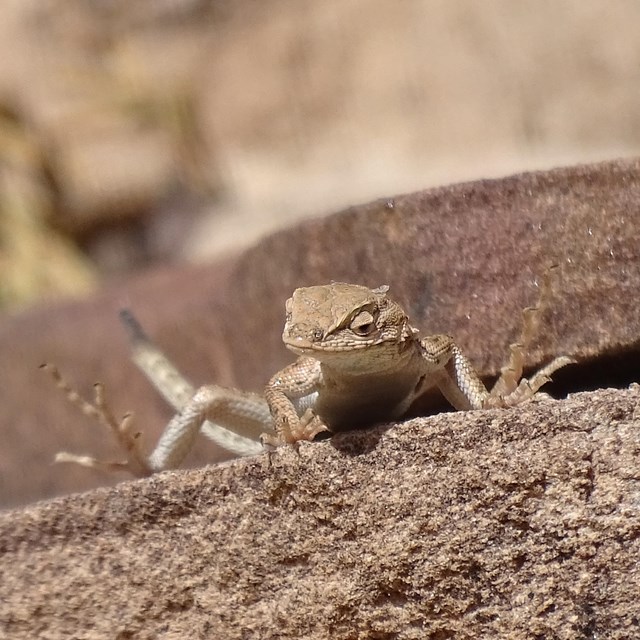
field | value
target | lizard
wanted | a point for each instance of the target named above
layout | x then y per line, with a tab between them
360	362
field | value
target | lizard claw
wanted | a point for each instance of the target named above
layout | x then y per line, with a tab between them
309	427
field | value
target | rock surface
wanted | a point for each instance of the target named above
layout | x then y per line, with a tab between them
516	524
461	259
464	260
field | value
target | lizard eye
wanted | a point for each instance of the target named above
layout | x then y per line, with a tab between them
363	324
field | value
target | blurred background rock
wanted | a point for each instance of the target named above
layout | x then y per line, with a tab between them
134	132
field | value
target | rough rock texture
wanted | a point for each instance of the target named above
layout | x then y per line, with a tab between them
462	259
492	524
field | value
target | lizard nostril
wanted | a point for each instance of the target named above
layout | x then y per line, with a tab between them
317	335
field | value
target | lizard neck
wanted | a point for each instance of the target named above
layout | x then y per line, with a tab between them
368	363
365	393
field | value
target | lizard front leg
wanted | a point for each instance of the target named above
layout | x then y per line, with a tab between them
296	382
458	382
452	372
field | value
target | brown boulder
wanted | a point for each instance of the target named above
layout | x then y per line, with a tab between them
516	524
462	260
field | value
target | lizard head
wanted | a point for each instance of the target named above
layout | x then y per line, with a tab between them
328	321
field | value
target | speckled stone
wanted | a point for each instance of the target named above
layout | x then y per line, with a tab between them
462	260
518	524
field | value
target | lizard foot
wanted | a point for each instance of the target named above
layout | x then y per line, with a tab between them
511	388
527	387
307	428
128	439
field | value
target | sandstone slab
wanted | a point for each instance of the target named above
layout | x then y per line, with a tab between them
462	260
518	524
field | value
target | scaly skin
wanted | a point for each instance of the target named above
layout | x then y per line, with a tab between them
360	362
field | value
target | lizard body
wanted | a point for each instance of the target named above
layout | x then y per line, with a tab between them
360	362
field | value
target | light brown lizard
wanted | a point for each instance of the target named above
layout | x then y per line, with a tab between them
360	362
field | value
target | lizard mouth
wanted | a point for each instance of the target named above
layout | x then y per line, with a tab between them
302	346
